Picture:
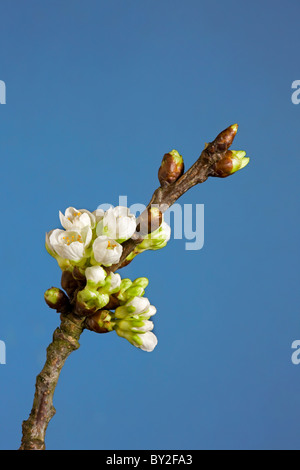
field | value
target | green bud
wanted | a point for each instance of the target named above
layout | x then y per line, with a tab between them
141	282
89	301
134	291
125	284
57	299
124	311
100	322
127	325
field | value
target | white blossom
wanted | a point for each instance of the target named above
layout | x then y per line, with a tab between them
107	251
70	244
118	223
74	218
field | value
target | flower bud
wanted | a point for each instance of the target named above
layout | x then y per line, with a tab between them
125	284
137	306
137	325
223	141
149	221
233	161
136	289
157	239
100	322
55	298
141	282
88	301
95	276
172	167
145	341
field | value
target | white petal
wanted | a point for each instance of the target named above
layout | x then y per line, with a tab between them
149	341
75	218
150	312
90	215
73	251
141	304
104	254
95	274
115	281
87	235
148	326
67	224
121	211
99	214
125	228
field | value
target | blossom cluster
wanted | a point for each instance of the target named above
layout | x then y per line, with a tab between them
91	242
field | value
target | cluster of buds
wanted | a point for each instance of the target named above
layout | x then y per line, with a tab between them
230	161
89	243
233	161
130	319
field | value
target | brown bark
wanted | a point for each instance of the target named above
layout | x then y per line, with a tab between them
65	341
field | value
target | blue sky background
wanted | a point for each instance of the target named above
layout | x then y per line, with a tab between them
97	92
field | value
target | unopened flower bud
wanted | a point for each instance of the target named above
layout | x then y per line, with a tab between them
149	221
137	306
55	298
100	322
125	284
233	161
223	141
137	289
88	301
157	239
95	276
145	341
172	167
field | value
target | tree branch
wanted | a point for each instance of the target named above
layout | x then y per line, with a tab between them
65	340
164	197
66	337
